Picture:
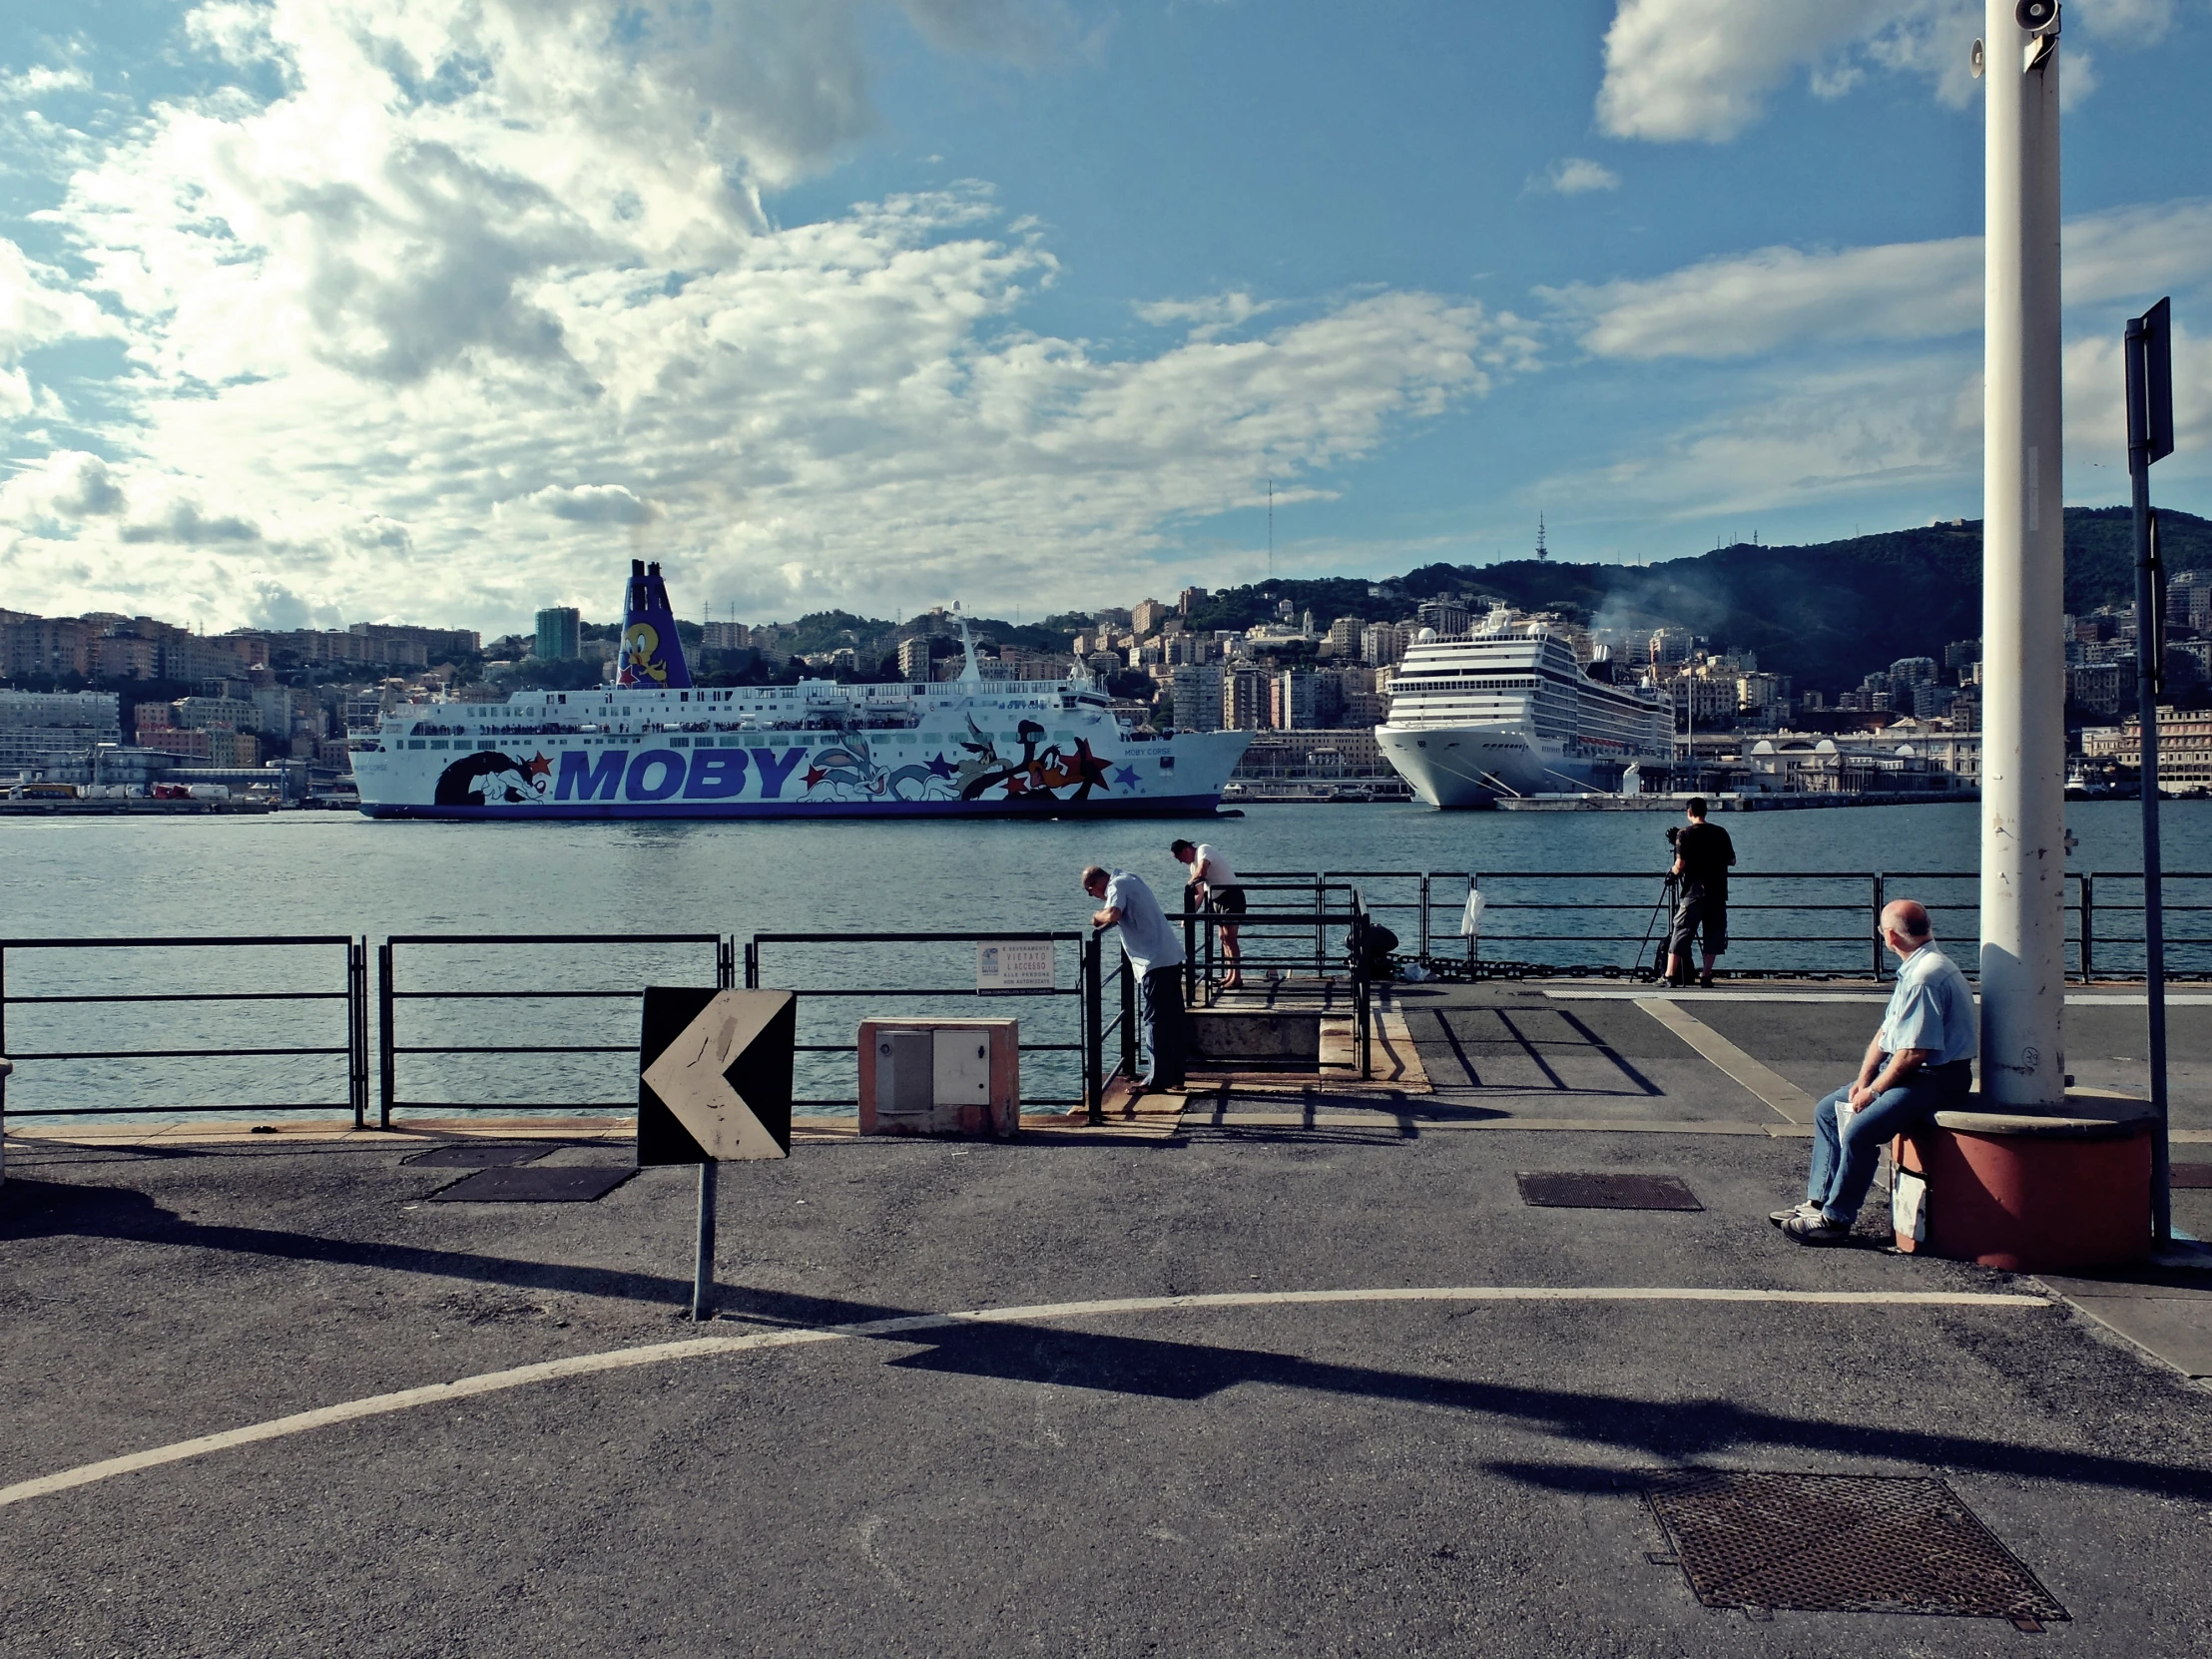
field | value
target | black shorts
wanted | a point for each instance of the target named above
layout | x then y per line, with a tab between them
1702	913
1229	900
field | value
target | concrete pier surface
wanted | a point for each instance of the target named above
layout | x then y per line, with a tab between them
1281	1369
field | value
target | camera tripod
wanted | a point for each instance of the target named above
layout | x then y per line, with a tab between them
1664	908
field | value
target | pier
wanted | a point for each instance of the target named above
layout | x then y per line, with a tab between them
1415	1340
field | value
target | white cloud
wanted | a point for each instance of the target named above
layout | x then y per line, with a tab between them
397	329
1573	175
1706	69
596	504
1776	297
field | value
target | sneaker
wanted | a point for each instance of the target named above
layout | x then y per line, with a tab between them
1781	1218
1816	1228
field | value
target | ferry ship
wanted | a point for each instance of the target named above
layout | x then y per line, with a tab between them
1510	711
654	745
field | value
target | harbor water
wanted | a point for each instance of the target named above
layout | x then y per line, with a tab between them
630	884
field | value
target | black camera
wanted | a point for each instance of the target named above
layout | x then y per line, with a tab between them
1674	834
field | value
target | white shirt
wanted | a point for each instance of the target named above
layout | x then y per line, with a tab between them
1211	867
1147	937
1931	1007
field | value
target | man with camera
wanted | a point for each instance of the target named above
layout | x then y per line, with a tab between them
1701	854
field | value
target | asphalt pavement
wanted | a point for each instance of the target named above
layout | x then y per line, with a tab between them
1161	1443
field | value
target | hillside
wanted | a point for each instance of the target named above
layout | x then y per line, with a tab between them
1827	614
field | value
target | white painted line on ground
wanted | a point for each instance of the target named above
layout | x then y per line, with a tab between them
700	1348
2078	1000
1780	1094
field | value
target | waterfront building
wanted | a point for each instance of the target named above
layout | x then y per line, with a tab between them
1147	616
2185	747
913	659
560	634
1384	643
1449	617
39	727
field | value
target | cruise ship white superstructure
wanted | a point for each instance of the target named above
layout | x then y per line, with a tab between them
656	746
1510	711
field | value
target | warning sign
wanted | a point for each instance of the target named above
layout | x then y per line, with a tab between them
1013	965
715	1075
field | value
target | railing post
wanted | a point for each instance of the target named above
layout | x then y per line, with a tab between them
2088	911
388	1070
1320	928
4	1070
726	963
1473	940
356	1029
1094	1033
752	964
1878	905
1424	916
1190	951
1363	990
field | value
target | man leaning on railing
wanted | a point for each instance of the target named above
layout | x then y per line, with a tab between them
1156	956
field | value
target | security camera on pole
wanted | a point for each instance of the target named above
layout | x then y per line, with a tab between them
2023	858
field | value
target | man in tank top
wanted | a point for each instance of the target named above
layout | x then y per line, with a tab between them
1213	884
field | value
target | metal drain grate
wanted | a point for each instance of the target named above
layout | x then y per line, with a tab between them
1604	1190
536	1184
1841	1543
476	1157
2190	1174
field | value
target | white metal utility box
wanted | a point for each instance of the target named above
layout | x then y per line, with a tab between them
941	1077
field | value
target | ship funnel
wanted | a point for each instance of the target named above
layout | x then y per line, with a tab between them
652	654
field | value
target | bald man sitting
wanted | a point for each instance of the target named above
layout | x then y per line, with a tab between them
1920	1063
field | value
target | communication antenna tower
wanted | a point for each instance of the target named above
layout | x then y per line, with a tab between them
1542	552
1271	529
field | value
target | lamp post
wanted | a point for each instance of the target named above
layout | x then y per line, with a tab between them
2023	859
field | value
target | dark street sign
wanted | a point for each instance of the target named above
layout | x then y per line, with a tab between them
715	1075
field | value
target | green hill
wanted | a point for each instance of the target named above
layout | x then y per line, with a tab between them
1829	612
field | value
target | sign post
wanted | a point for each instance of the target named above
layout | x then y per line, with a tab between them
713	1087
2148	350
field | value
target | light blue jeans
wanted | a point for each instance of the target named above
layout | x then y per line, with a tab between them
1842	1165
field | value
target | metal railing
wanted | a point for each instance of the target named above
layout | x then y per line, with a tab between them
909	949
289	985
389	996
1783	923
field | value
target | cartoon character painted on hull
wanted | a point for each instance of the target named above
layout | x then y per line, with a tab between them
1039	774
847	771
491	779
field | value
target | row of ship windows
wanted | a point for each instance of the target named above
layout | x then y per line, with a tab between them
751	739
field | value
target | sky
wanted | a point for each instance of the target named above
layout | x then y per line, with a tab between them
318	311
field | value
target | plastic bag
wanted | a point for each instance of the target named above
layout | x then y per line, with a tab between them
1470	923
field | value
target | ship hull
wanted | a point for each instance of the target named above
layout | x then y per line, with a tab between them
1086	770
1460	767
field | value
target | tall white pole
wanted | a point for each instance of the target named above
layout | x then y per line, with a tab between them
2023	790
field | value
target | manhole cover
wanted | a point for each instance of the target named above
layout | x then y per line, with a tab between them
1841	1543
2190	1174
536	1184
476	1157
1604	1190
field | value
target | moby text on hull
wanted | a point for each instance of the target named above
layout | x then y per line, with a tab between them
654	746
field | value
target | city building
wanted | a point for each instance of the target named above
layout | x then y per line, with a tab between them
37	726
1190	598
913	659
2100	688
560	634
1147	615
1449	617
1384	643
724	636
2185	747
1244	698
1196	690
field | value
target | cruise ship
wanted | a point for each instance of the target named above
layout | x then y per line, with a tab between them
1510	711
654	745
